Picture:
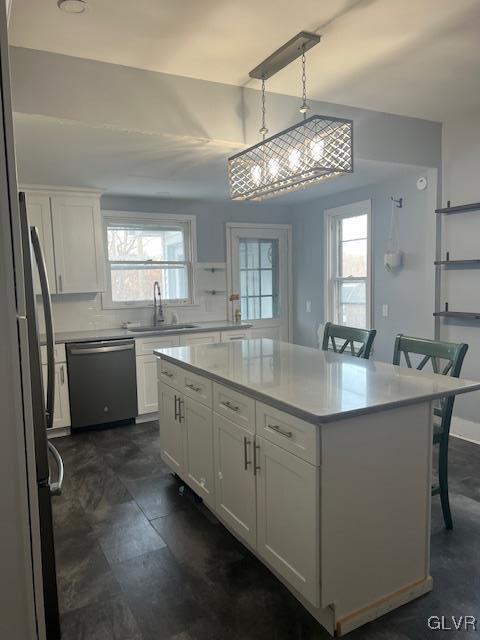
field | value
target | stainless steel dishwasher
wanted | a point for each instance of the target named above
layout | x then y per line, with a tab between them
102	382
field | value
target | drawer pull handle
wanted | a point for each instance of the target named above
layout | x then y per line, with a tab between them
193	387
229	405
246	444
168	374
275	427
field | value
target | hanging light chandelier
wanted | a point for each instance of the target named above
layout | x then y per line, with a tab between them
315	149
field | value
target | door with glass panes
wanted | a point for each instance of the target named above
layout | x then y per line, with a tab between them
259	273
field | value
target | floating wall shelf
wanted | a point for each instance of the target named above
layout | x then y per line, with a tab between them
472	262
458	314
463	208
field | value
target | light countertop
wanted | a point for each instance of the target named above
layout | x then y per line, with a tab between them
119	333
315	385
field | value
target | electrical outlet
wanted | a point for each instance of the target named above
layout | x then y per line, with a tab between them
385	310
308	306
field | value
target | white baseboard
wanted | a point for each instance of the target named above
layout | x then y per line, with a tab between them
465	429
58	432
146	417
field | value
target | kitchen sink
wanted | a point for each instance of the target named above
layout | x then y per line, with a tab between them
161	327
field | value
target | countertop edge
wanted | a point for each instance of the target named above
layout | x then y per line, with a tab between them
305	415
147	334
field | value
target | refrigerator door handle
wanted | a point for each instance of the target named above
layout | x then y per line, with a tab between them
47	309
56	487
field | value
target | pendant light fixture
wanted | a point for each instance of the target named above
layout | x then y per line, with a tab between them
317	148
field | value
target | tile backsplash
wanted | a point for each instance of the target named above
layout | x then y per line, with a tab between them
84	312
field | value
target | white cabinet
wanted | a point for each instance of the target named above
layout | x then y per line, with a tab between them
71	236
147	388
288	517
171	429
200	338
199	449
234	478
61	413
77	236
39	216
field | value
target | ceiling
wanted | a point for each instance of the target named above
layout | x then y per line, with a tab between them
61	152
414	57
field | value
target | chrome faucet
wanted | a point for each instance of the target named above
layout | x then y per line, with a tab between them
157	304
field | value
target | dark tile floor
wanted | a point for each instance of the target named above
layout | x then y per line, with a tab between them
139	558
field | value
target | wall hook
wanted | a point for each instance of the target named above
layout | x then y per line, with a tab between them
397	201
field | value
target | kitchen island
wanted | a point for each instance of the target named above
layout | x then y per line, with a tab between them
319	463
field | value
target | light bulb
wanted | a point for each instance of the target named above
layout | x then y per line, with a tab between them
256	173
294	159
273	167
316	148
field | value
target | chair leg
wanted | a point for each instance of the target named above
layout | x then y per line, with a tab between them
443	480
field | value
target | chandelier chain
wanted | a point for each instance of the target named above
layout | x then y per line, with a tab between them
304	107
263	129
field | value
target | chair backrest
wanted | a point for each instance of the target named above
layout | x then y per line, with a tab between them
446	358
340	338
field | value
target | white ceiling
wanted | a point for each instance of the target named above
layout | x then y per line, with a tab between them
62	152
410	57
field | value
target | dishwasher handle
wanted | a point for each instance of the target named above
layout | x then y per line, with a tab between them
75	351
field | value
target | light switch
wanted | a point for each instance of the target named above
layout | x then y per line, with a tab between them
308	306
385	310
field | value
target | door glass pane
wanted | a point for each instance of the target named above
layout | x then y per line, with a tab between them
259	276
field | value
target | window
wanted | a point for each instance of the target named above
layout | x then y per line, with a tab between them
258	278
140	251
348	265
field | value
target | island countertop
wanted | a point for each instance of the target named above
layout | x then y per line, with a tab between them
317	386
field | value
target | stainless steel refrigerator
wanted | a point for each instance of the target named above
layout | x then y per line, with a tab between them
28	589
49	481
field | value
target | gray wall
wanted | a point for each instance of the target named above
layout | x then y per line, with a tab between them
211	217
408	293
461	233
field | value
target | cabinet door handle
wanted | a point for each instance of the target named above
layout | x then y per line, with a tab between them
177	411
193	387
229	405
246	443
275	427
181	416
168	374
62	375
255	466
60	283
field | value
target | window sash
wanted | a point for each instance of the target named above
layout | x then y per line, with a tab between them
124	221
335	279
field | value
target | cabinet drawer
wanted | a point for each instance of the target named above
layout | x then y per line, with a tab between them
290	433
227	336
169	374
145	346
59	351
196	387
206	337
235	406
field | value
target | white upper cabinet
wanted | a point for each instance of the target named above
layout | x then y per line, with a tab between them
77	236
70	230
38	213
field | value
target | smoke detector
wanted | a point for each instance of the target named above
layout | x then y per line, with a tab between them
72	6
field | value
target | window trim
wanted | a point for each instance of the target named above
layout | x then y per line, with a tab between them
152	218
331	218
